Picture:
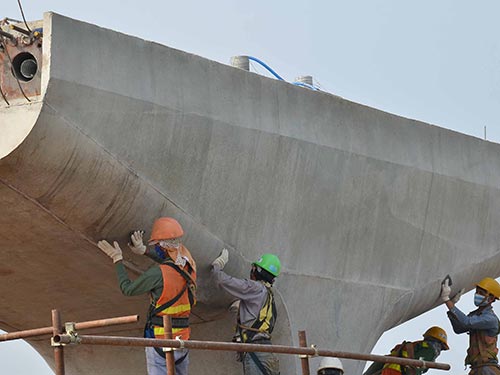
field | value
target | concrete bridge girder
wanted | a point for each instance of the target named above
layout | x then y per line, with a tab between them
367	210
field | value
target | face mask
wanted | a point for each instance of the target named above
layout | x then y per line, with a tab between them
437	347
480	300
170	244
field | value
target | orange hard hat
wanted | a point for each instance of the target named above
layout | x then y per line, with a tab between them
165	228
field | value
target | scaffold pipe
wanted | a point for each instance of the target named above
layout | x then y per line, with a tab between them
227	346
79	326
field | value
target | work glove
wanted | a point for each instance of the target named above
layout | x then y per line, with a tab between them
137	245
222	259
445	290
114	252
457	296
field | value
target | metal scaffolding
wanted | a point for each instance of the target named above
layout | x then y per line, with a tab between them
69	334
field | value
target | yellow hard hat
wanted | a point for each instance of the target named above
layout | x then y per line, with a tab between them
439	334
490	285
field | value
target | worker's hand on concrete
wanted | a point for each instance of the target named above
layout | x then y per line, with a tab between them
457	296
137	245
222	259
114	252
445	290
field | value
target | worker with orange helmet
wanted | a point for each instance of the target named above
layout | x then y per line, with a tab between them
435	340
256	311
171	284
482	325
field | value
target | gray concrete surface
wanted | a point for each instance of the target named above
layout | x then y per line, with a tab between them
368	211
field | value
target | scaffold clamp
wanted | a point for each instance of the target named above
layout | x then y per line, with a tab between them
181	342
55	344
313	347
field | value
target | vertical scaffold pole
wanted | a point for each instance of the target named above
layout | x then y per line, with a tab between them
169	355
58	350
304	360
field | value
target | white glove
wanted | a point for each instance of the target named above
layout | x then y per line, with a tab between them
445	291
137	245
114	252
457	296
222	259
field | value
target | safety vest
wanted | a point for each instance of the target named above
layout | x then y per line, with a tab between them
482	349
176	300
404	350
264	323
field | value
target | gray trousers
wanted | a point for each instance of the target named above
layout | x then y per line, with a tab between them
157	365
268	360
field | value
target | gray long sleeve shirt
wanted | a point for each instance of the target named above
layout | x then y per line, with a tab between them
252	295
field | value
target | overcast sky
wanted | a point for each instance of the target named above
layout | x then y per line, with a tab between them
435	61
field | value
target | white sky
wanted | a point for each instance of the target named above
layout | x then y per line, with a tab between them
435	61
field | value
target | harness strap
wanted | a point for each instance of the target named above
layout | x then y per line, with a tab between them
176	322
485	364
168	303
249	328
191	284
247	333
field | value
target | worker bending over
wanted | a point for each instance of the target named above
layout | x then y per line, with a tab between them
435	340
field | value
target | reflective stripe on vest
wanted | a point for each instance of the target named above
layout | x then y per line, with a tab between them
404	350
265	321
173	283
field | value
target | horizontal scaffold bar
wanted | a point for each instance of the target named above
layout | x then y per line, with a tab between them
79	326
213	345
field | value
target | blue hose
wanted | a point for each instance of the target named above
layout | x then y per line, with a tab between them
270	70
266	66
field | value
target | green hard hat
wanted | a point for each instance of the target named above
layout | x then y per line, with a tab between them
270	263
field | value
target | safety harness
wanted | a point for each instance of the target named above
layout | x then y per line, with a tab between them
482	349
264	323
178	307
404	350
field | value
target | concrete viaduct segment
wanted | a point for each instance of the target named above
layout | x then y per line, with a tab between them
367	210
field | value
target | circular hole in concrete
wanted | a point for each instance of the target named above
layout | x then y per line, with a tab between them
24	66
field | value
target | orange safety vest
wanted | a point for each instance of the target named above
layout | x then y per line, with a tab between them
178	297
405	350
